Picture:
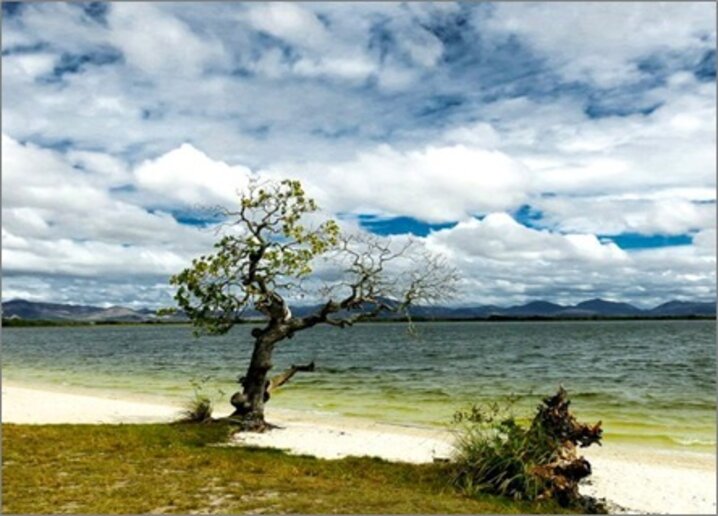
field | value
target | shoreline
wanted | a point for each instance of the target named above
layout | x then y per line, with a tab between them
636	479
79	323
614	433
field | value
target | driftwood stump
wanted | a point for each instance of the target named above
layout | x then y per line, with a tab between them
566	468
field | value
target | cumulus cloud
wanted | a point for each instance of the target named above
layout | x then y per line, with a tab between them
58	219
91	259
499	237
669	216
290	22
436	184
118	123
571	151
160	45
588	42
30	66
505	262
189	176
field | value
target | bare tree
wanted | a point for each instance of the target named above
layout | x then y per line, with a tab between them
269	254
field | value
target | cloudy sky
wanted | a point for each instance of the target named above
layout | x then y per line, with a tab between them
558	151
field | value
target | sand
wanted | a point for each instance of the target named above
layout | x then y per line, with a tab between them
653	482
35	406
632	479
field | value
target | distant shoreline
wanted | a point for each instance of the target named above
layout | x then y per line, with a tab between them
30	323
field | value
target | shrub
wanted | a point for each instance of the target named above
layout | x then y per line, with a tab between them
199	408
497	454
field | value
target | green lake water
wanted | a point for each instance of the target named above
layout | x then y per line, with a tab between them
651	382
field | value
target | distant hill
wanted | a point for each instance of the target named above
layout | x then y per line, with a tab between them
603	307
682	308
32	311
593	308
47	311
535	308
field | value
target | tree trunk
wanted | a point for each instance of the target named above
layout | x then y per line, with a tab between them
249	404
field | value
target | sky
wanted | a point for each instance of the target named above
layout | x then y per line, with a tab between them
557	151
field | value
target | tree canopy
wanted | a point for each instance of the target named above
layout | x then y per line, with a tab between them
269	250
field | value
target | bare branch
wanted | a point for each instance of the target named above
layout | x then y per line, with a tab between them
277	381
381	276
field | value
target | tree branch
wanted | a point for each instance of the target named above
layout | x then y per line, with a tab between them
374	287
283	377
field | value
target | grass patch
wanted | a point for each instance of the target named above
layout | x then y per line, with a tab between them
179	469
197	410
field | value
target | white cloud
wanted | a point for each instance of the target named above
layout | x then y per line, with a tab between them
56	216
393	76
504	262
669	216
88	259
105	292
339	47
322	53
290	22
106	169
436	184
705	243
601	42
350	99
569	151
189	176
356	67
499	237
30	65
158	44
638	172
423	47
479	134
49	23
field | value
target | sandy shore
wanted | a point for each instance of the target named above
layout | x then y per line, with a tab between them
638	480
36	406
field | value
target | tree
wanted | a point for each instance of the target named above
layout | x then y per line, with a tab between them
268	254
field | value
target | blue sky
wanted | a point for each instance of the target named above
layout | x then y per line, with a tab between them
544	155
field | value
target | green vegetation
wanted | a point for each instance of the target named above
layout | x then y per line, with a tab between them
497	454
28	323
199	408
180	469
24	323
275	251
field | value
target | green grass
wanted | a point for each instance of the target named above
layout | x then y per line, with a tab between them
180	469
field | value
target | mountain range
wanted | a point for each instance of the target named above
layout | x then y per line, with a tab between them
593	308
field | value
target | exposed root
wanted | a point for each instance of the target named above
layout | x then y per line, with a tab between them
249	424
566	467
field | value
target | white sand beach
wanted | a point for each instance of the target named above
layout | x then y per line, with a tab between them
39	406
636	480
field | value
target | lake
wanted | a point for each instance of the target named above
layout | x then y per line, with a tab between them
651	382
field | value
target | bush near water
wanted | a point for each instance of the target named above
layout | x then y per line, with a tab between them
496	454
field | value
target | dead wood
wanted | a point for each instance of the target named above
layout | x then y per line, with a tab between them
565	467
